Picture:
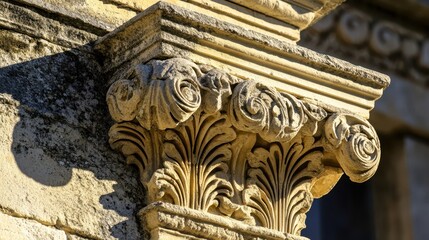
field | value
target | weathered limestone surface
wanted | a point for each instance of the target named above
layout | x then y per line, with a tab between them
96	15
234	125
234	133
23	229
56	167
18	228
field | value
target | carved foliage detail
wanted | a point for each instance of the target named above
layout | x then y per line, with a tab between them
205	140
195	166
137	145
279	182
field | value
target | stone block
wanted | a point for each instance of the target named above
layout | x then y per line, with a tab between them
13	228
56	165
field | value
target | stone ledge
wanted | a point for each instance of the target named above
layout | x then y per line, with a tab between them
39	24
172	220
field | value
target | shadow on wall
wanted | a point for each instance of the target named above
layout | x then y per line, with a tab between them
56	166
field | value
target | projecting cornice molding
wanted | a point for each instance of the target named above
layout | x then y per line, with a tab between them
234	132
166	31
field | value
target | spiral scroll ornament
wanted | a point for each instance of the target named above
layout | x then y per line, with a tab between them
356	145
123	99
208	141
261	109
172	93
161	94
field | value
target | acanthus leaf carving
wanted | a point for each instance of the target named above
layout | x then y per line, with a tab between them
138	146
195	163
205	140
279	182
242	146
216	88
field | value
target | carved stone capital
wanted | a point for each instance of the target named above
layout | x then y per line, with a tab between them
234	128
246	156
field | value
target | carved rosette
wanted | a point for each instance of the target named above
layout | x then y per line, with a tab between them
207	141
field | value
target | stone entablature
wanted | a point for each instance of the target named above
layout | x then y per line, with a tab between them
167	31
231	127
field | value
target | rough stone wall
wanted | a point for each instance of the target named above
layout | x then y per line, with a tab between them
59	179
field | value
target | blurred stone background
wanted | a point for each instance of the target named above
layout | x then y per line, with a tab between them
391	37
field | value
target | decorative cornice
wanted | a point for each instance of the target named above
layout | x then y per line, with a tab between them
354	34
209	141
166	30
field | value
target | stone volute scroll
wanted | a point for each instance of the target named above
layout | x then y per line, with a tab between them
235	132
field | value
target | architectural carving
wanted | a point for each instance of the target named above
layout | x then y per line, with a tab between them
198	33
234	128
381	42
356	145
208	141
